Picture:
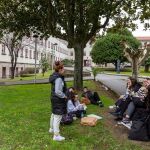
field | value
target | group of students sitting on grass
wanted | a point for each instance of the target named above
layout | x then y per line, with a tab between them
65	102
133	109
77	107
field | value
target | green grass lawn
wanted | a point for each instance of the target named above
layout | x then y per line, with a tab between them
24	123
126	71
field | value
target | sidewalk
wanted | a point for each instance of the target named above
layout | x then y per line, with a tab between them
38	81
125	75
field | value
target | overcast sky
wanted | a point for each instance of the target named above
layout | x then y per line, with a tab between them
140	31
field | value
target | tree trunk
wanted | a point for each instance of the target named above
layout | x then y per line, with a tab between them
135	68
12	67
12	71
115	64
146	68
78	67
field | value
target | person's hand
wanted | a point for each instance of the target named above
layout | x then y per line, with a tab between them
121	97
65	97
83	104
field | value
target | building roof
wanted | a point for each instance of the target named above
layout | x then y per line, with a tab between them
143	38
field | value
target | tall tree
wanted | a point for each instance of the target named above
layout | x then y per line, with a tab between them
108	49
14	44
147	64
136	56
76	21
44	65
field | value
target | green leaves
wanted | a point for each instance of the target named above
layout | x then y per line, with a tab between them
108	49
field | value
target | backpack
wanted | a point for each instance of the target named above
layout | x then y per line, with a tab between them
67	119
86	101
89	121
139	128
138	131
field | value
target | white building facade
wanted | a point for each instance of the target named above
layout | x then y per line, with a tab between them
53	48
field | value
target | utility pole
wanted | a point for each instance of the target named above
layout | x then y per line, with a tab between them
36	40
53	53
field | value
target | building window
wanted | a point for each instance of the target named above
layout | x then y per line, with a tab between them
41	42
33	54
84	53
21	54
3	72
48	44
51	45
21	68
9	71
45	43
37	55
26	53
71	53
30	54
3	49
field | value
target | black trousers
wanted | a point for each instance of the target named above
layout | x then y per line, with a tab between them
95	98
78	113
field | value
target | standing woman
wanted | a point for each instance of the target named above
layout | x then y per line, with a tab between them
58	100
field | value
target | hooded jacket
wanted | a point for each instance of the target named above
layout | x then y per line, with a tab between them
58	89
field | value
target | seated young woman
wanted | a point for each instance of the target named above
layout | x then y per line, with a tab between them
92	96
74	107
122	103
138	101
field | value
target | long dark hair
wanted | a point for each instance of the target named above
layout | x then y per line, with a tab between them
133	82
72	97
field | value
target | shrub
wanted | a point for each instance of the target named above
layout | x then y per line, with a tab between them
28	71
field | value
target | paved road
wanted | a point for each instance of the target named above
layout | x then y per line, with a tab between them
115	83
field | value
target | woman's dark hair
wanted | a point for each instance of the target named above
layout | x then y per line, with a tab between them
133	82
58	65
72	98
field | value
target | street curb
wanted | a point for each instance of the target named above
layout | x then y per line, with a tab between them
124	75
38	81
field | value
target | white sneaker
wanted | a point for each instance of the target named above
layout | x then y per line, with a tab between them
58	138
51	130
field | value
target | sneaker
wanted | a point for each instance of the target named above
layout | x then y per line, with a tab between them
126	120
127	125
58	138
112	107
101	105
51	130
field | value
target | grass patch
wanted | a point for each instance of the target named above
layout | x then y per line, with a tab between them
126	71
24	122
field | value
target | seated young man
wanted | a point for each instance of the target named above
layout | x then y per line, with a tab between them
92	96
74	107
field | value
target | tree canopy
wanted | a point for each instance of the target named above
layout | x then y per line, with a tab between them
108	49
76	21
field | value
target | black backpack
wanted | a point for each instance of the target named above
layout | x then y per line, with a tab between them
67	119
139	128
139	131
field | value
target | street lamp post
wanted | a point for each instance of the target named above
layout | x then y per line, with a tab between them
36	40
53	52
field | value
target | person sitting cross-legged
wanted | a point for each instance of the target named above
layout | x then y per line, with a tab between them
74	107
